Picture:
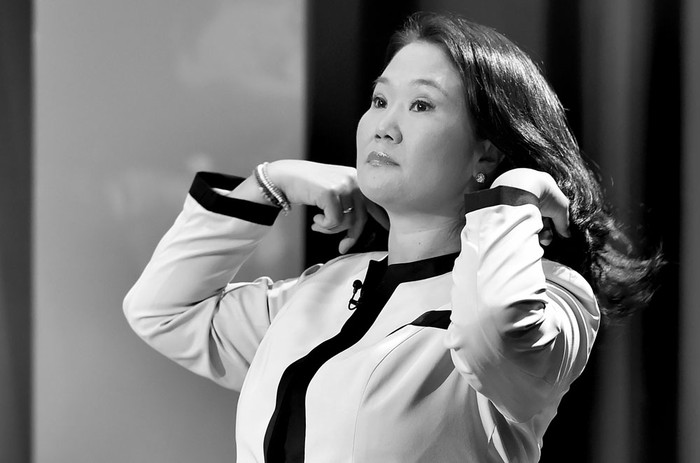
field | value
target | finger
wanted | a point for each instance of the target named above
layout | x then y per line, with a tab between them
357	224
345	244
318	227
560	213
345	222
331	219
561	223
325	231
546	235
332	208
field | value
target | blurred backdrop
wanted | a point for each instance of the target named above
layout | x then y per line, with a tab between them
107	109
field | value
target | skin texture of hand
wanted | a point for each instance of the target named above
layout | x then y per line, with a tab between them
331	188
554	205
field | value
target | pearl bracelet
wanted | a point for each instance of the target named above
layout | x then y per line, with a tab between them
269	190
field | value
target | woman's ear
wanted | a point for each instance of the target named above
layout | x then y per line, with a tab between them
488	158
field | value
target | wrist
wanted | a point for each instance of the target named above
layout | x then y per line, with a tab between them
270	190
276	174
522	179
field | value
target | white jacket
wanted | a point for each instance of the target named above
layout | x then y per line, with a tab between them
466	361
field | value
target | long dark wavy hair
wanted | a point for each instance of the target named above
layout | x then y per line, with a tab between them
513	106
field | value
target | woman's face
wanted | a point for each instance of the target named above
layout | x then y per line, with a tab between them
415	144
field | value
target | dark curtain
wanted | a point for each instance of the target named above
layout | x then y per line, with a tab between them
15	231
616	65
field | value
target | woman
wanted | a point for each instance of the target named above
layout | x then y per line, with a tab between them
459	342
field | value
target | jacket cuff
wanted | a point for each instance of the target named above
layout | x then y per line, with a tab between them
501	195
202	190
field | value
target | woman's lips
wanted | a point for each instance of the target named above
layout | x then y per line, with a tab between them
380	158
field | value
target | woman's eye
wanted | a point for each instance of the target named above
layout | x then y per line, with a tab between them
420	106
378	102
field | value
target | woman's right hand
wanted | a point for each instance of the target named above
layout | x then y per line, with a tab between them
331	188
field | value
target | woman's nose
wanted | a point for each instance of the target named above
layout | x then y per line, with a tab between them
388	128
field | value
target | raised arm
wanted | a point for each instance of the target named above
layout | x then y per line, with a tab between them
522	327
184	304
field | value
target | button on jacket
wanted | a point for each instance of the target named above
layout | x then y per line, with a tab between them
457	358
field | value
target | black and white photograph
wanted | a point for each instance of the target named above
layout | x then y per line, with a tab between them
329	231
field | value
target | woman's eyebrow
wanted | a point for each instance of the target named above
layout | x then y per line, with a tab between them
380	80
415	82
429	83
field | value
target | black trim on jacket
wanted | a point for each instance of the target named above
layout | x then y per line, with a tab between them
202	190
501	195
286	431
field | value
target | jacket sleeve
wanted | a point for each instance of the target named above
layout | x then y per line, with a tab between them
184	305
522	327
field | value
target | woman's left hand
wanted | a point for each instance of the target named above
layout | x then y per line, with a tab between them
553	203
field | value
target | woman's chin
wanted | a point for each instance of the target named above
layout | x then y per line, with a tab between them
381	193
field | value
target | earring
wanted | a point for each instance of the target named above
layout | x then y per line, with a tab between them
480	177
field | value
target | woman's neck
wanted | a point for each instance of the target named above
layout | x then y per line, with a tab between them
412	239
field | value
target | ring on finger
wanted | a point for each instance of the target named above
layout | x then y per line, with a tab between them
348	210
